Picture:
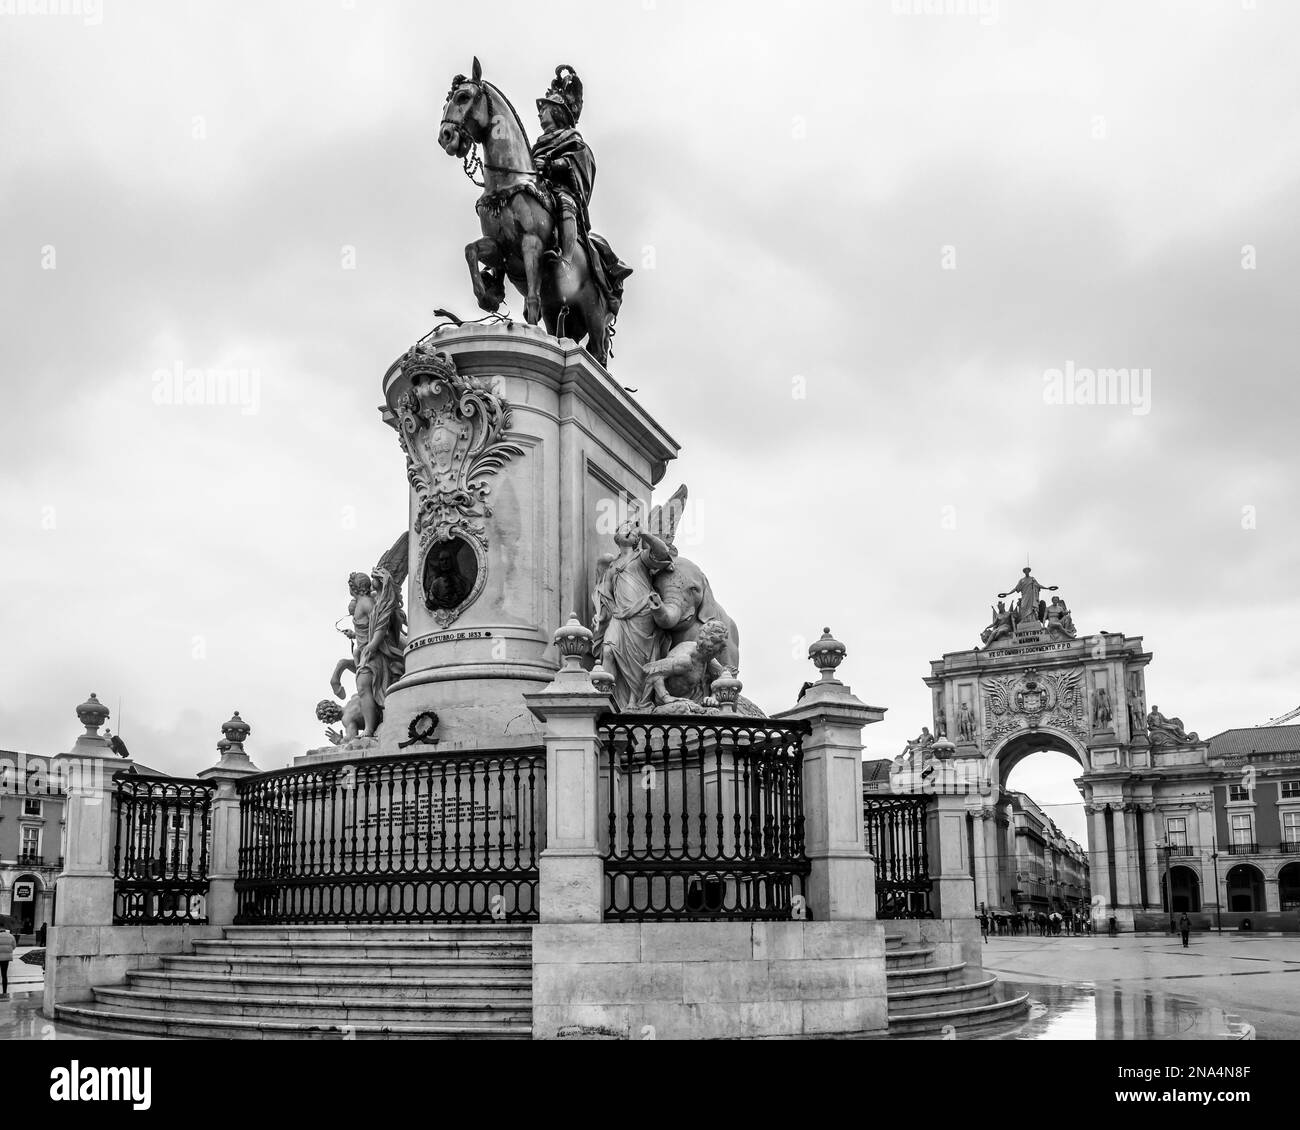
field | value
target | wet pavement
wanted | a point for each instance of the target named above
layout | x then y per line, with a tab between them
1148	987
1222	987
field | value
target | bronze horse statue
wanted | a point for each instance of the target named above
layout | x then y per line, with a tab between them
516	213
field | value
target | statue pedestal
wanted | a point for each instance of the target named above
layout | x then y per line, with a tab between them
581	447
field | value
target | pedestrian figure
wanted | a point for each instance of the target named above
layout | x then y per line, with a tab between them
984	926
1185	928
7	943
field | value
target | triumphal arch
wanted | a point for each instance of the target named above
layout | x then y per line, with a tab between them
1035	683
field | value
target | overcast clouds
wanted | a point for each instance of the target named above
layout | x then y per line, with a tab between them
785	178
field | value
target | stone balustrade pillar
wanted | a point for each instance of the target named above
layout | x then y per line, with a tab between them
85	888
571	882
223	860
952	890
842	883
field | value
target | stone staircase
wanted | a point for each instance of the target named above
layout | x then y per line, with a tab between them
926	998
329	982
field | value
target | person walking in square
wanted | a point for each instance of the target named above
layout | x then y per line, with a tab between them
984	925
1185	928
7	943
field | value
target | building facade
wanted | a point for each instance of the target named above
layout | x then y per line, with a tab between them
1051	869
1230	840
31	829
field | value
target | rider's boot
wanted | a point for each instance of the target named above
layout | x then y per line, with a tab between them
568	239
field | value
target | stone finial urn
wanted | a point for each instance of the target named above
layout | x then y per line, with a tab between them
236	731
92	714
234	760
726	689
942	749
573	642
827	654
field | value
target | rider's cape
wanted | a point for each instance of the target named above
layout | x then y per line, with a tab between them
608	270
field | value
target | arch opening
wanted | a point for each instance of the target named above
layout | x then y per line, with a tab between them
1245	889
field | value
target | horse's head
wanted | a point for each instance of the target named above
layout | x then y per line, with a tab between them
466	116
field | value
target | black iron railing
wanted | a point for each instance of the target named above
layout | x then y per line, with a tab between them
1243	849
28	859
160	853
896	837
395	839
1290	847
704	817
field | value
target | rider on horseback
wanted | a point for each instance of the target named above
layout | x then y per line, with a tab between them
564	161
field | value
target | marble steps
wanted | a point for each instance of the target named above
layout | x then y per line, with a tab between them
915	1001
925	999
352	1009
264	983
249	1028
370	951
511	987
925	976
959	1017
371	969
469	931
911	958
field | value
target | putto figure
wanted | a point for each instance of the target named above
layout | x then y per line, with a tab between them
683	678
378	635
534	209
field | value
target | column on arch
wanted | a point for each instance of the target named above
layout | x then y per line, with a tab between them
1123	850
1151	840
975	815
1138	848
1099	854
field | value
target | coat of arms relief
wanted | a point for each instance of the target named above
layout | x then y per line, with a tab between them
452	431
1031	699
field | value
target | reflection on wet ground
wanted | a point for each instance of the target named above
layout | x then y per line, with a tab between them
21	1019
1084	1011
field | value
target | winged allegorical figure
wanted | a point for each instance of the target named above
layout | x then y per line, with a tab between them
650	600
378	637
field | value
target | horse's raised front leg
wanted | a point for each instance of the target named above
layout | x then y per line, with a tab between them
487	292
530	248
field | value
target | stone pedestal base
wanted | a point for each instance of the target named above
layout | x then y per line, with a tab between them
572	449
708	980
571	886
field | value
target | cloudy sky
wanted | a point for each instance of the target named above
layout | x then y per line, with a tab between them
863	234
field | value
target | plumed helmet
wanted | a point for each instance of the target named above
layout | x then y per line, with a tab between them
565	92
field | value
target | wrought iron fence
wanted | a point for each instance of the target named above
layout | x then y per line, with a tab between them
896	837
705	817
160	850
397	839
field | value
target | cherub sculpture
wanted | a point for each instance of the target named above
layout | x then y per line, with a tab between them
378	637
686	673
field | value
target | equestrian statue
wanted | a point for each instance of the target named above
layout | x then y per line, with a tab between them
534	209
